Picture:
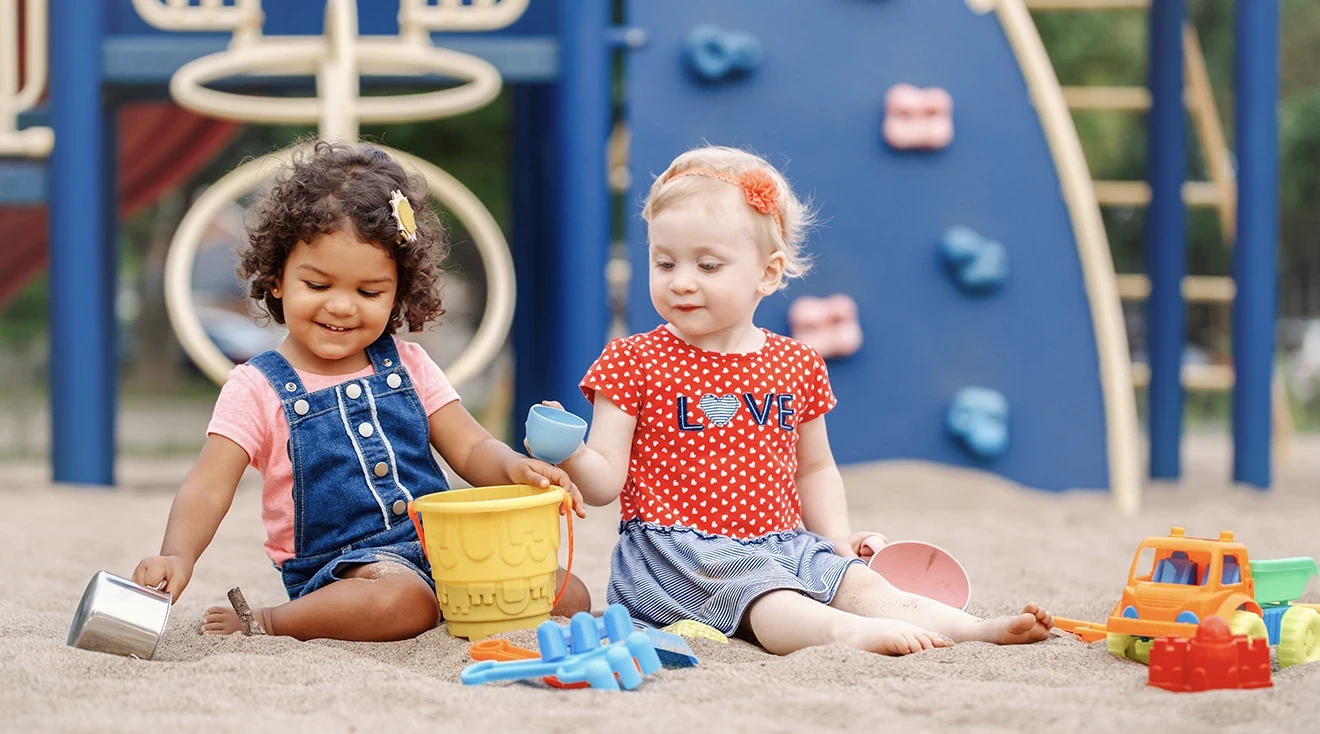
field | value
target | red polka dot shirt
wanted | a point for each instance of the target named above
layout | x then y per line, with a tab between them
715	446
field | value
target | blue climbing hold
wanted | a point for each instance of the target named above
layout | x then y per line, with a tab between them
716	54
978	418
978	264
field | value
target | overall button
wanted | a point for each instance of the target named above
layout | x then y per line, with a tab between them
290	386
365	430
394	380
353	391
381	469
400	507
301	407
387	362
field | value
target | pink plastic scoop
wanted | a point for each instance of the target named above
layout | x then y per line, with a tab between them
924	569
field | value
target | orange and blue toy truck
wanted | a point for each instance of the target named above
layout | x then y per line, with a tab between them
1176	582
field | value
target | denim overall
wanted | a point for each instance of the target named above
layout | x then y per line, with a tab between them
360	452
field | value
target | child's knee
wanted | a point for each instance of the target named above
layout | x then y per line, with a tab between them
576	598
407	608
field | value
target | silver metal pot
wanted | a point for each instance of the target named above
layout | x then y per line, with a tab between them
120	617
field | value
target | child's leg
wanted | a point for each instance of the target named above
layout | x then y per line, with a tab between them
867	593
375	602
785	621
576	598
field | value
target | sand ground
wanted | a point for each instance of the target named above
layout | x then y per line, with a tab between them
1069	552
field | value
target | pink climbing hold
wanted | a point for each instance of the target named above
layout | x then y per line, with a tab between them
828	325
918	119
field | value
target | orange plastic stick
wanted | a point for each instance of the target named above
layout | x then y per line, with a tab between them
503	651
1088	631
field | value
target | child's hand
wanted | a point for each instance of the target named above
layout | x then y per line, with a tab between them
175	571
861	545
537	473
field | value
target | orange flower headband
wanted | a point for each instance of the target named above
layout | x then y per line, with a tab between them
760	188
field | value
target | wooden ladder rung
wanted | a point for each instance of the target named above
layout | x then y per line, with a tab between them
1087	4
1195	288
1135	99
1202	377
1137	193
1107	98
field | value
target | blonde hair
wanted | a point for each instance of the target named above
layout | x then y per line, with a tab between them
795	216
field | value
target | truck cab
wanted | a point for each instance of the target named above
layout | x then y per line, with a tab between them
1175	582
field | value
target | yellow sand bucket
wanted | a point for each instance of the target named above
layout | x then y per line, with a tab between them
493	554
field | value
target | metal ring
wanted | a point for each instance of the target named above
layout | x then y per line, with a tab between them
302	57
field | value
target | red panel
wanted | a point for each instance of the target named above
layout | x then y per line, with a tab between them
160	145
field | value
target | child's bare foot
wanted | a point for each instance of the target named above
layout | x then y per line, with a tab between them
221	621
225	621
889	636
1032	625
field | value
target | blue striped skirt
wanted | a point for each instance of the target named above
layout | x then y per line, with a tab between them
665	574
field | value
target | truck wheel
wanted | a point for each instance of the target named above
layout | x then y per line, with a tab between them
1130	647
1299	637
1248	623
1118	644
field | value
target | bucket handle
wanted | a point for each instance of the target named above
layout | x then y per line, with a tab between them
566	506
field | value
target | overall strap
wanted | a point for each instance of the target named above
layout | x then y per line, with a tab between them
384	354
280	374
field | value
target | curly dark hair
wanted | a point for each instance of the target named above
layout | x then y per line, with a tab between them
336	185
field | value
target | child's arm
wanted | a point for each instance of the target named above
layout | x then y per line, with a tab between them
600	466
202	502
824	501
483	460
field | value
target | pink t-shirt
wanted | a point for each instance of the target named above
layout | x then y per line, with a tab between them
248	413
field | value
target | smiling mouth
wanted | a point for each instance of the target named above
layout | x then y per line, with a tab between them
686	308
334	329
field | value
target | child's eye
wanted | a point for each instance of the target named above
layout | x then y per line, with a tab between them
664	265
317	286
709	267
370	294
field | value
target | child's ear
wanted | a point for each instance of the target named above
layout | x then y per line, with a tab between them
773	274
275	290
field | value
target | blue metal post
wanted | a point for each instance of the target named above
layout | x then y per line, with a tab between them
82	276
533	243
1254	257
578	303
1166	235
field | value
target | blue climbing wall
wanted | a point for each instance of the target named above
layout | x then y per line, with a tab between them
815	107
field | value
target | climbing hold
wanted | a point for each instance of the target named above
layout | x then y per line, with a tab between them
977	264
978	418
828	325
717	55
918	119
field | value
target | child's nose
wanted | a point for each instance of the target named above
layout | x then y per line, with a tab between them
340	306
682	283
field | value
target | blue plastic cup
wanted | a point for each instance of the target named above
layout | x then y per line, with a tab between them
553	434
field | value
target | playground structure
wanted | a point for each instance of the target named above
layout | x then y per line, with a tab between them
1005	166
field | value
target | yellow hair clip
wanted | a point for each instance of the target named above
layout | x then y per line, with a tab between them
403	216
